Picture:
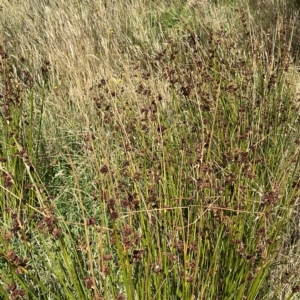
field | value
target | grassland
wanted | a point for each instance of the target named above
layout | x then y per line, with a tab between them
149	150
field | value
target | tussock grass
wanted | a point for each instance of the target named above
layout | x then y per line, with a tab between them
149	150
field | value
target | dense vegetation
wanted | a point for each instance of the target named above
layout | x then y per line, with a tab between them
149	149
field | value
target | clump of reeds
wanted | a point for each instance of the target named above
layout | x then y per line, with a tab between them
153	164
